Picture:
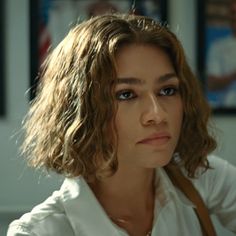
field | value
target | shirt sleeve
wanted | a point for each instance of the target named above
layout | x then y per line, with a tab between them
219	191
19	230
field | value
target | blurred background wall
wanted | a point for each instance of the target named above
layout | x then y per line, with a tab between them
20	187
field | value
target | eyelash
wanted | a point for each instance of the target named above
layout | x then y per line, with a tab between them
131	94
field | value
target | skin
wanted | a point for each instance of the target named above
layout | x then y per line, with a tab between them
149	105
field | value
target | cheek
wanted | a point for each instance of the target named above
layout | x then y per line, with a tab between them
121	122
180	117
125	122
123	115
180	110
177	116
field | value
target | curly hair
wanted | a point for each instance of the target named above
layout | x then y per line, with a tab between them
70	125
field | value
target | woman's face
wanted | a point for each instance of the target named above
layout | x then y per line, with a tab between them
150	109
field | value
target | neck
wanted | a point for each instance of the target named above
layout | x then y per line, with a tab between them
122	189
128	199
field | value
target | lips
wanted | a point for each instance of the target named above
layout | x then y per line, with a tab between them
156	139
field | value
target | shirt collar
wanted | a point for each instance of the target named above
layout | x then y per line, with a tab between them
77	198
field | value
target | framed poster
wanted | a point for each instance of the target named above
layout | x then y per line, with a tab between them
51	20
2	62
217	53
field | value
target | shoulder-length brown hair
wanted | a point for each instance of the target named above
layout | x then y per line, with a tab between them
70	125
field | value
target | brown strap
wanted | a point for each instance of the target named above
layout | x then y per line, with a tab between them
186	186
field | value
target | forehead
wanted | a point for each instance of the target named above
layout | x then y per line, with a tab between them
137	64
138	49
135	57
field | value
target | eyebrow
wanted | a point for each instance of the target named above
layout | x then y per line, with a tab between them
138	81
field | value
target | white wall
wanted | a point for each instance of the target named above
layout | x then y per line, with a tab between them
21	188
182	14
18	184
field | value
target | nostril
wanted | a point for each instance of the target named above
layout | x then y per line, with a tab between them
153	117
153	112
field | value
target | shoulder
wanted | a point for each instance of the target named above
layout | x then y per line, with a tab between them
33	225
47	218
218	179
218	168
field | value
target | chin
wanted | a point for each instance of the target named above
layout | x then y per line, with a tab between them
159	163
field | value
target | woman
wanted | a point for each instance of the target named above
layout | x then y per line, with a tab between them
116	102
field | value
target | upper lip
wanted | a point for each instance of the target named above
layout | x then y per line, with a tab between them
155	136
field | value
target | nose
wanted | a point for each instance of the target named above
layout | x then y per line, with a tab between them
153	112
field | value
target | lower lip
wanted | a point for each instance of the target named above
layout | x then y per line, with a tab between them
156	141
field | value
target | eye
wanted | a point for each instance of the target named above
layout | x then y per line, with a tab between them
169	91
125	95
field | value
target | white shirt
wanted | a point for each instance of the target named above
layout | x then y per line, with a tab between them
74	210
221	61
